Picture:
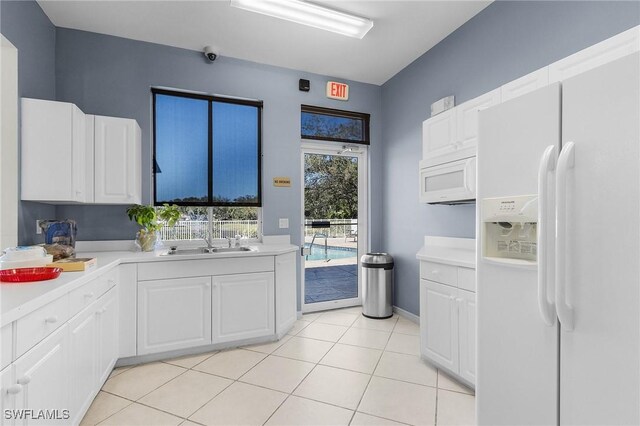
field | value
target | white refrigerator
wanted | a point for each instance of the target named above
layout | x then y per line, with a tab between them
558	251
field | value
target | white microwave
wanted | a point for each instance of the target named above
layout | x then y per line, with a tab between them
448	183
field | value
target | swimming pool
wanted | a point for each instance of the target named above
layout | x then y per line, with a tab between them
317	252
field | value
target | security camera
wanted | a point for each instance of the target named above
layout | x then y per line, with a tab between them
209	54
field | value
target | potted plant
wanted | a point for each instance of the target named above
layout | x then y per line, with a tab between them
151	219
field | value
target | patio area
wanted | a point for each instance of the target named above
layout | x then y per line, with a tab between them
334	276
330	283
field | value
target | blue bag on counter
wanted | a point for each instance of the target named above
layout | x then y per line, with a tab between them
59	232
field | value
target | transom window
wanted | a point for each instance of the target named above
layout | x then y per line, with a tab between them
334	125
206	150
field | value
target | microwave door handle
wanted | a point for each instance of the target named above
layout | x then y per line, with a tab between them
565	311
547	166
467	176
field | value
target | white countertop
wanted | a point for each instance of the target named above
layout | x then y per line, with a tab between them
451	251
19	299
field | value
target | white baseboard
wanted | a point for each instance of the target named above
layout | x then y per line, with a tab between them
406	314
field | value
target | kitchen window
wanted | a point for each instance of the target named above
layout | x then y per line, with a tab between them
207	160
334	125
206	150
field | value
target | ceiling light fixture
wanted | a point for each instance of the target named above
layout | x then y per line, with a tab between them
309	14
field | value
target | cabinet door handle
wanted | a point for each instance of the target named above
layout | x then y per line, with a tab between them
51	320
13	390
24	380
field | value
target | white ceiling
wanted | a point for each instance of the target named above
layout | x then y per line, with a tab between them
402	31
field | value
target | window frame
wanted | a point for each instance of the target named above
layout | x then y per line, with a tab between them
364	117
210	100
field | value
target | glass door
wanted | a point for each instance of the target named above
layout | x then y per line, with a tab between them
334	225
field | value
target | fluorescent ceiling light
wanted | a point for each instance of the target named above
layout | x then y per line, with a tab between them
309	14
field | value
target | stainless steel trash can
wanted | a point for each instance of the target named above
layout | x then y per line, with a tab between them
377	285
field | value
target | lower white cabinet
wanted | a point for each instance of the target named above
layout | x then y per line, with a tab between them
173	314
9	391
57	379
243	306
448	305
467	334
93	350
286	306
439	320
108	341
448	328
42	375
83	343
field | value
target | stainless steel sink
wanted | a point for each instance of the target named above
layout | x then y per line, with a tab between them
204	250
230	249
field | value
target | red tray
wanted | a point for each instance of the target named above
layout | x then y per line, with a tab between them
21	275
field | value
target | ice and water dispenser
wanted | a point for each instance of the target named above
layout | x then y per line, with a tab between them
509	226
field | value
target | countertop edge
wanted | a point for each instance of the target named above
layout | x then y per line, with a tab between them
447	260
31	305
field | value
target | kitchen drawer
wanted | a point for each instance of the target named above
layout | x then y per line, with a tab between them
83	296
106	282
6	339
467	279
40	323
205	267
439	272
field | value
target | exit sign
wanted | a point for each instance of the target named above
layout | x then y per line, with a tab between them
337	90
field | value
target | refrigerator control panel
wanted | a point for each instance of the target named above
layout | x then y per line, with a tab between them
509	227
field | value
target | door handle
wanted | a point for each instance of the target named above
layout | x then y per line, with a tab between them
24	380
13	390
547	165
51	320
565	311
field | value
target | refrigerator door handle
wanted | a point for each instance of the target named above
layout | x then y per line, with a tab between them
566	161
547	165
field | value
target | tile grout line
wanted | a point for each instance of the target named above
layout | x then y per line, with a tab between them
305	377
371	376
292	393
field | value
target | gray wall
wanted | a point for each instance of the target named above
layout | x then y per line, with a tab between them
112	76
26	26
504	41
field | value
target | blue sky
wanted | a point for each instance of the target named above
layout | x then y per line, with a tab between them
182	148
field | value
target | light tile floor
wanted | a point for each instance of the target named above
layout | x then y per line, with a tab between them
334	368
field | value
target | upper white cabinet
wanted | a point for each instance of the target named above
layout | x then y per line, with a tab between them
439	134
593	56
453	134
54	152
117	160
69	157
525	84
467	122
